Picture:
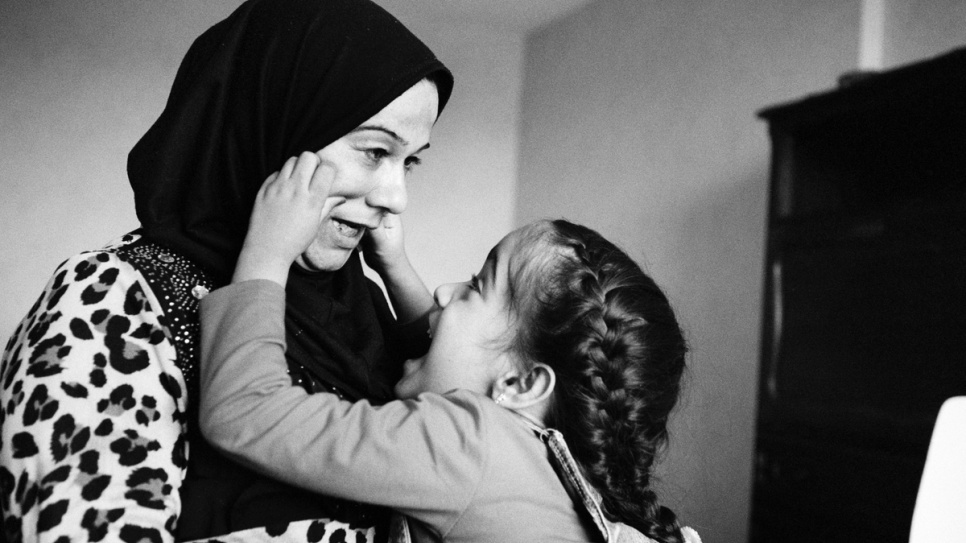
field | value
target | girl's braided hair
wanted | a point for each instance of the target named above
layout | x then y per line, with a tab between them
611	337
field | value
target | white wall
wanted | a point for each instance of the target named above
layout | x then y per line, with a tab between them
462	197
639	119
83	80
916	29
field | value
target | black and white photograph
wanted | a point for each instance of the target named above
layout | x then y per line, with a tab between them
470	271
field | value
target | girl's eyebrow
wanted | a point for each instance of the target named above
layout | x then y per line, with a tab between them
399	139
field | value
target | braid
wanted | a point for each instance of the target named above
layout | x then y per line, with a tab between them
612	339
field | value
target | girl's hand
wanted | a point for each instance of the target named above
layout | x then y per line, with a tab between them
385	253
285	219
383	247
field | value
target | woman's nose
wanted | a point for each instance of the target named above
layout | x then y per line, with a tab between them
444	293
390	193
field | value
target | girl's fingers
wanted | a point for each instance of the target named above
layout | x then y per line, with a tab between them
287	168
320	185
305	167
321	181
268	182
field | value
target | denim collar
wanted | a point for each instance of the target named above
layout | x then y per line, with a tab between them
579	489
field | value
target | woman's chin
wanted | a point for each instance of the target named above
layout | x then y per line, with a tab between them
323	258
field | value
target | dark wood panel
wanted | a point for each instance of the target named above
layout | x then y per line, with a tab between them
865	290
810	490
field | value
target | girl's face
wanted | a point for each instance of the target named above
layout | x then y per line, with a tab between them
370	166
470	335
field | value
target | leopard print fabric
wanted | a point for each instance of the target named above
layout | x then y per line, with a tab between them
321	530
93	412
92	408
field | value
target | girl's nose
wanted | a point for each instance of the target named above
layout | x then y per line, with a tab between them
444	293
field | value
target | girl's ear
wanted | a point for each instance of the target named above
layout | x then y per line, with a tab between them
516	390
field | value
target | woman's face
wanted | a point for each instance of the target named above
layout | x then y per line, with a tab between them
370	166
468	350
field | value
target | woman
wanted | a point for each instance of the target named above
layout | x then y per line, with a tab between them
560	344
99	382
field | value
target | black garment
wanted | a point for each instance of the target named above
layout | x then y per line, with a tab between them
274	79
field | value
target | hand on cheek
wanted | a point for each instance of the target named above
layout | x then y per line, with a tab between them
384	247
285	219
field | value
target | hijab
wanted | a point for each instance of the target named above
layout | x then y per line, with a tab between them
275	78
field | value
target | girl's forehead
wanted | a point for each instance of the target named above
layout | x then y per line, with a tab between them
521	239
524	254
510	253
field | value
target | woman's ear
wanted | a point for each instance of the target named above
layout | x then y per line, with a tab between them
516	390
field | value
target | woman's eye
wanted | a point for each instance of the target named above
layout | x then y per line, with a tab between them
412	162
376	154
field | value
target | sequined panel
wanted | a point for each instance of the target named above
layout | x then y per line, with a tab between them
179	285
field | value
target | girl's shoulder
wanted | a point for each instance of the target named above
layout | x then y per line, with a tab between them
475	405
470	417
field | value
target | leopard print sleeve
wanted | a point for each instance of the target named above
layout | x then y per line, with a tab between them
92	411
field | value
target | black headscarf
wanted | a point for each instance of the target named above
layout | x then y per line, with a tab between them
276	78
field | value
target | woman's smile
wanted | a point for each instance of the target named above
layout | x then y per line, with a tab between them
350	231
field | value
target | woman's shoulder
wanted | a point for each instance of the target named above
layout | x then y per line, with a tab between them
98	303
90	294
84	281
90	373
133	275
104	265
108	252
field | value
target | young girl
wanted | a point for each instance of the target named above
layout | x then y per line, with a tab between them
561	341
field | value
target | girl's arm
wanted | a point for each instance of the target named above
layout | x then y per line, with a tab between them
424	457
385	253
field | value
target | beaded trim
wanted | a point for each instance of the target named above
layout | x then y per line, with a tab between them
179	285
304	378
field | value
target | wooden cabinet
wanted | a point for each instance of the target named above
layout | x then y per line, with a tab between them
864	329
